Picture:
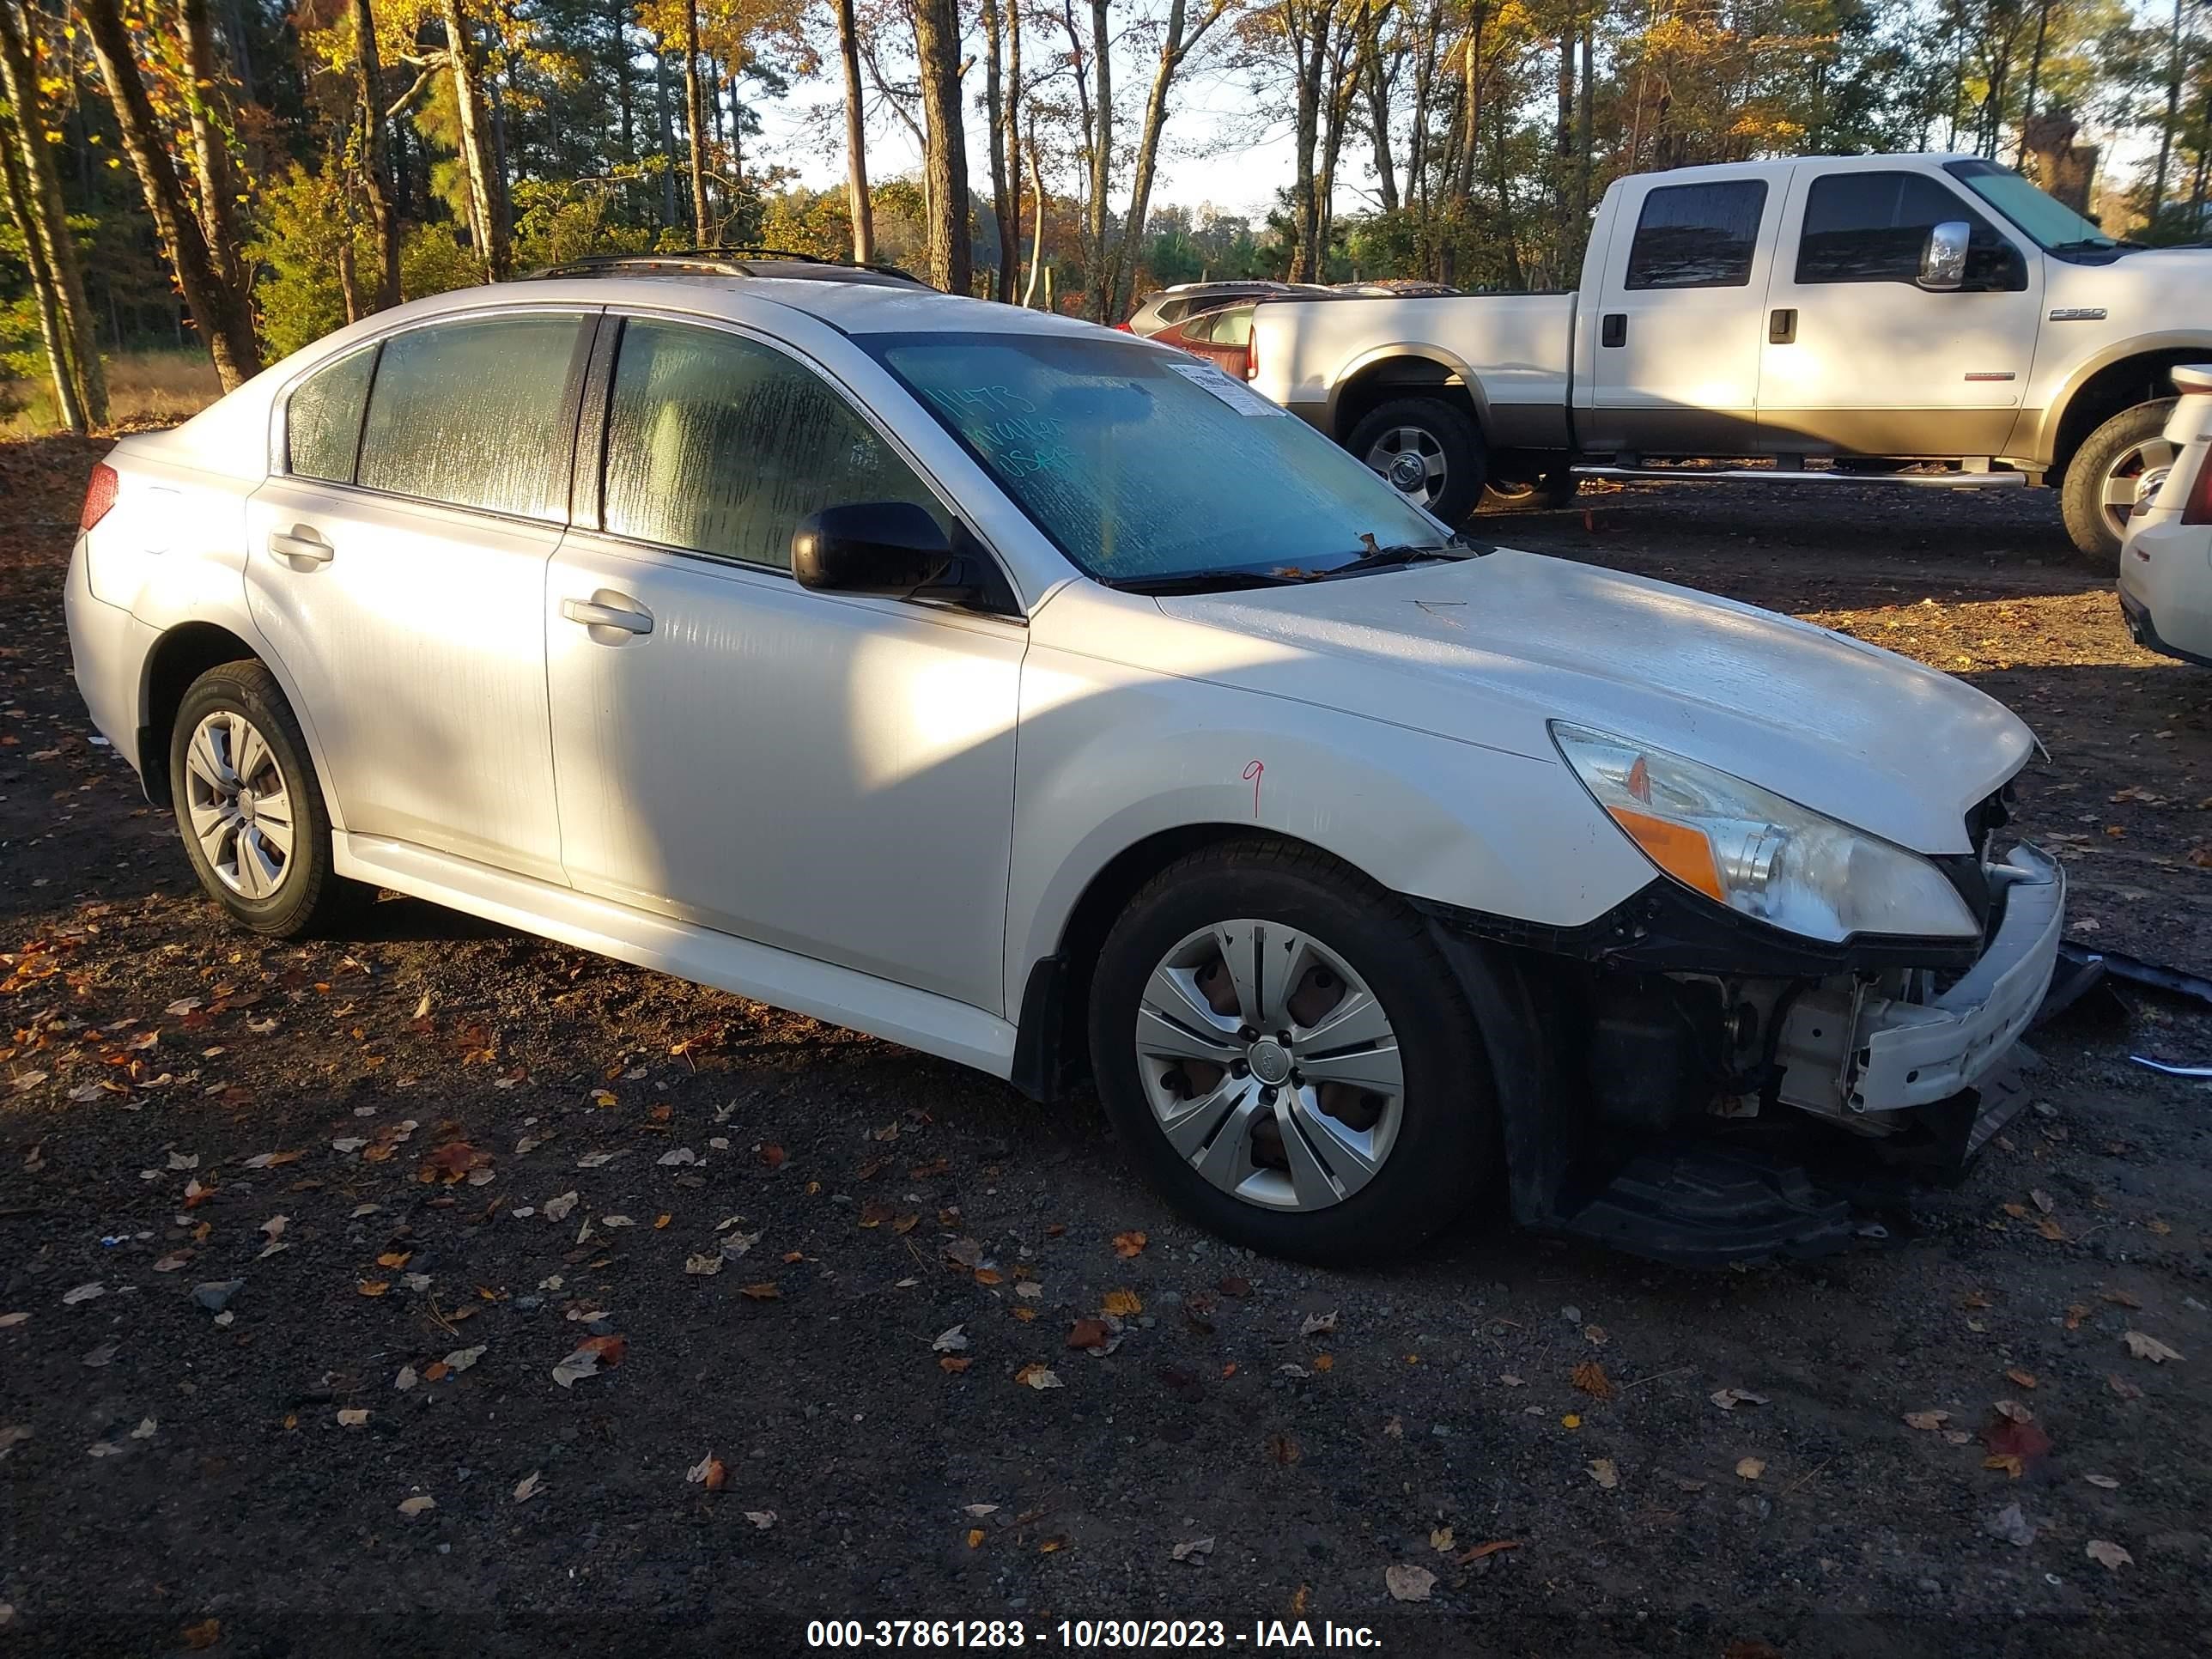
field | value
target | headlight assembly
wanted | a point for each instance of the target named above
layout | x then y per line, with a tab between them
1758	854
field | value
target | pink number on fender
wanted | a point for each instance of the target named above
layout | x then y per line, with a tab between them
1252	774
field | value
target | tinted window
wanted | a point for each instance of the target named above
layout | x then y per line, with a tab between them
1698	235
476	414
1232	327
721	446
1872	228
322	421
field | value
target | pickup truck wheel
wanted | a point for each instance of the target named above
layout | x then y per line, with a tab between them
2106	478
1546	493
249	808
1426	449
1289	1059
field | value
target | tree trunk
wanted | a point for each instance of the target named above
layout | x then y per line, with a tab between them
1563	150
225	318
51	331
1379	107
1101	156
375	164
1174	47
1010	136
490	234
210	159
857	204
50	214
937	42
663	105
1305	201
2166	128
1002	199
1036	247
694	123
1582	137
625	79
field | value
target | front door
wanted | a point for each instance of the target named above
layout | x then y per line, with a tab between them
827	775
397	567
1860	359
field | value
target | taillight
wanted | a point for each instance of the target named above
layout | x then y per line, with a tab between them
2198	509
99	494
1252	352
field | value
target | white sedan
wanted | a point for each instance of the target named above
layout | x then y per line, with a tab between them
1035	697
2165	562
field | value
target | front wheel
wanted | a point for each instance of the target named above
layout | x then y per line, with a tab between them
1289	1058
2106	478
1429	450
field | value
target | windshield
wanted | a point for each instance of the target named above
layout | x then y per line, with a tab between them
1142	464
2055	226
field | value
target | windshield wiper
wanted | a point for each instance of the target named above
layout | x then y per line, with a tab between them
1198	581
1386	558
2093	245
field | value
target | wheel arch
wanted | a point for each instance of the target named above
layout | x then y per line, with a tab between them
2133	372
184	651
1404	369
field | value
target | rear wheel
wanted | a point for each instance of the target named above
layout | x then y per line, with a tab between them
249	807
1289	1058
2107	478
1429	450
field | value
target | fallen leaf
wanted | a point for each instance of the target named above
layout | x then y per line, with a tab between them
372	1286
416	1505
761	1518
1480	1550
953	1364
706	1265
709	1472
2015	1411
1196	1550
1123	1304
1729	1398
1926	1420
1128	1244
975	1538
1037	1376
1603	1471
206	1633
592	1356
1283	1449
395	1258
763	1292
1750	1468
2143	1346
1589	1377
1318	1324
1408	1583
461	1359
2107	1554
1090	1333
2013	1443
83	1293
2120	1386
2011	1524
2026	1379
9	1321
557	1209
1442	1542
352	1418
2105	1481
952	1341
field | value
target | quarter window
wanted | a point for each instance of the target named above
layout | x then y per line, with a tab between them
1872	226
477	414
322	419
720	446
1698	235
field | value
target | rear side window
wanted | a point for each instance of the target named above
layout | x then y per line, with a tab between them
1698	235
322	419
477	414
1872	226
720	446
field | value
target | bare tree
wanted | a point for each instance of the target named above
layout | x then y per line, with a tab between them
1176	47
1004	193
937	45
856	138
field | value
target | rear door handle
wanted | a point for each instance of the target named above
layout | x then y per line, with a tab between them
595	613
301	541
1612	329
1782	327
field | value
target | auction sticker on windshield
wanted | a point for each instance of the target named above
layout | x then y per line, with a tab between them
1231	391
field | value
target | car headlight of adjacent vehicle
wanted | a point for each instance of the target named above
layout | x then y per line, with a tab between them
1761	856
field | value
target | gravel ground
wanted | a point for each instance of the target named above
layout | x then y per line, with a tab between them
296	1239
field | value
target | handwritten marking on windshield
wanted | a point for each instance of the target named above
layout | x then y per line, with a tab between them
1253	774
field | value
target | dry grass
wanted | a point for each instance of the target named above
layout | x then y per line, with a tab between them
145	388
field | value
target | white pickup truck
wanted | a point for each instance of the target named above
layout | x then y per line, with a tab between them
1866	312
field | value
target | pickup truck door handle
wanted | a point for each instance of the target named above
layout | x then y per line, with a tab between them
593	614
1782	327
301	541
1612	329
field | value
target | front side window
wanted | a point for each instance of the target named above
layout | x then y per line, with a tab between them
717	444
1698	235
1139	464
476	414
322	419
1873	227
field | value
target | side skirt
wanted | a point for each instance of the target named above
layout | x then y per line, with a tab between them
936	1025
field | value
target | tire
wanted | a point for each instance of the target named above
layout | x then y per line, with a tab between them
230	832
1355	950
1443	438
2107	466
1546	493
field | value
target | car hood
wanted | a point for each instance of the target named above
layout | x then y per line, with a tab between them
1488	649
2156	292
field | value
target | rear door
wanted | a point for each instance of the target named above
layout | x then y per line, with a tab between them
398	566
1677	353
1858	357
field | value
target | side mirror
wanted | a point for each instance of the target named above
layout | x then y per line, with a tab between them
891	550
1943	260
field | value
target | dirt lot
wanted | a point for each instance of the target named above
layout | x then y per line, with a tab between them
364	1446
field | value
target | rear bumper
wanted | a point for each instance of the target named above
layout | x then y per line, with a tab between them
1848	1054
106	651
2144	630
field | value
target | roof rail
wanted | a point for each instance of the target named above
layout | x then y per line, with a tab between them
724	261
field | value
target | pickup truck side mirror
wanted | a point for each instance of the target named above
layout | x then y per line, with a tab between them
1943	260
894	550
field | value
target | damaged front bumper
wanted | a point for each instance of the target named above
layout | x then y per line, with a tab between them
1850	1053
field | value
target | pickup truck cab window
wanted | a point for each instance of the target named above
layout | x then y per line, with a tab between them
717	444
1872	226
1698	235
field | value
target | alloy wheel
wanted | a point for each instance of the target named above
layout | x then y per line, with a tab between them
1269	1065
238	804
2131	478
1412	461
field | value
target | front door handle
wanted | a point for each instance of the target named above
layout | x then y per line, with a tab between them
301	541
1781	326
596	613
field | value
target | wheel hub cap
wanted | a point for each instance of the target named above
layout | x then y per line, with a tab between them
1269	1065
238	805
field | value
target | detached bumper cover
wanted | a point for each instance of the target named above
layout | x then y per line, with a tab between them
1848	1054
